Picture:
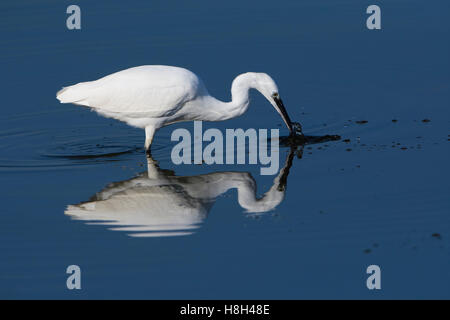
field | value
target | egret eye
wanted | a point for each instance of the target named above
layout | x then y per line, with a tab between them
275	95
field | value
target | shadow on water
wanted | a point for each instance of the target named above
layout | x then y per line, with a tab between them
301	140
297	142
158	203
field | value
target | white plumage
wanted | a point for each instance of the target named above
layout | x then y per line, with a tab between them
151	97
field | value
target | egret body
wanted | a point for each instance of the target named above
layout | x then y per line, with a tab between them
150	97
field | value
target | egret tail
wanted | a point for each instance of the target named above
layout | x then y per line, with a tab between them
77	94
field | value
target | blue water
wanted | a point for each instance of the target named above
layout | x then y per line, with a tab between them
381	197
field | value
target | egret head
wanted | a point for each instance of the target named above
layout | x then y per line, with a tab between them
268	88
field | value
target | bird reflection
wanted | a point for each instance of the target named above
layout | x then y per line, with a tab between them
158	203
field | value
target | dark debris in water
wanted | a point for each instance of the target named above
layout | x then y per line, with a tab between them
297	140
361	121
437	236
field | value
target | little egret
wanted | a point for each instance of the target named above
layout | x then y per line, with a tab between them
150	97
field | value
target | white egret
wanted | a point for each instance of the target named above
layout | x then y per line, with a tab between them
150	97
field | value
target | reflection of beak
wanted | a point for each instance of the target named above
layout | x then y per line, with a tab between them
285	171
282	111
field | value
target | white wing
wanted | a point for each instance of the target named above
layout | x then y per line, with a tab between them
153	91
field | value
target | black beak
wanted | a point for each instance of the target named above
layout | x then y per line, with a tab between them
282	111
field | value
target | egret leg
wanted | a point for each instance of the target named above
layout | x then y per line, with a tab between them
149	133
152	167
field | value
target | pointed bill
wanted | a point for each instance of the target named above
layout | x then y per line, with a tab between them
282	111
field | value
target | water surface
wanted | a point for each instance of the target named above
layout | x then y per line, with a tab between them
380	195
